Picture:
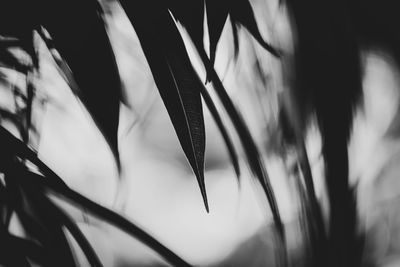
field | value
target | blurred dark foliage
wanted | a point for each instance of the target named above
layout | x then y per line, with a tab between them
330	36
77	31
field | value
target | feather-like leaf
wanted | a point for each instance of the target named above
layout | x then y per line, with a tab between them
79	34
176	80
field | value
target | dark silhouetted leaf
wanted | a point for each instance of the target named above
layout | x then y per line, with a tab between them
242	13
217	13
13	253
8	60
221	126
78	31
28	248
61	218
14	147
78	236
328	73
36	206
235	39
176	80
191	15
252	154
112	218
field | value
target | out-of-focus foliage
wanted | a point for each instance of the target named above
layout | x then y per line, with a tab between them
75	33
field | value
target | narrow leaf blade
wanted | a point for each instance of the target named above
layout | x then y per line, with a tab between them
79	34
176	80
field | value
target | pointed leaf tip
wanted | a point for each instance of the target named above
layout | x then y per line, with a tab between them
204	195
177	81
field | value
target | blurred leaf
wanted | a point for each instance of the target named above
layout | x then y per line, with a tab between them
15	148
221	127
78	236
190	13
79	34
235	38
253	156
35	192
13	252
176	80
8	60
28	248
217	13
328	74
55	240
241	12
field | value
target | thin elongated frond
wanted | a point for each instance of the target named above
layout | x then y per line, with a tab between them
191	15
217	14
250	148
176	80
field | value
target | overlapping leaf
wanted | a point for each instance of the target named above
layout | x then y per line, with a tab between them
217	13
241	13
79	34
176	80
221	127
36	195
191	15
253	156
